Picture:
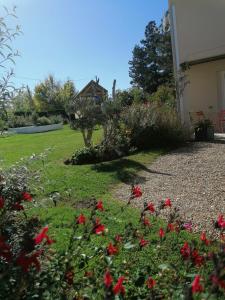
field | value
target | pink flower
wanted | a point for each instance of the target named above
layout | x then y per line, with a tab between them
196	286
111	249
81	219
43	235
108	279
119	288
2	202
187	226
167	203
150	207
26	196
136	191
143	243
150	283
99	206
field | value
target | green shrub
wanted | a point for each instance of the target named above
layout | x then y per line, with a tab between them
164	95
43	121
153	125
19	121
56	119
85	156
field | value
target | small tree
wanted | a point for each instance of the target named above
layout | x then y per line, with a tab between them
85	115
7	56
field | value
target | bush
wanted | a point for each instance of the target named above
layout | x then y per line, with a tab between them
43	121
164	95
57	119
19	121
152	125
84	156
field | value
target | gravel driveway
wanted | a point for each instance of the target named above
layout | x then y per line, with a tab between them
192	177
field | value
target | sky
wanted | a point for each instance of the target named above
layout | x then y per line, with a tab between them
80	39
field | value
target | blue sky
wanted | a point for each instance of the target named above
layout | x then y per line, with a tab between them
78	39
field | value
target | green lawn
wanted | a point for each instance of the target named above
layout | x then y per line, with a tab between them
81	181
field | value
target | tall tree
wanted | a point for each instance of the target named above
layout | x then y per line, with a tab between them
152	63
47	95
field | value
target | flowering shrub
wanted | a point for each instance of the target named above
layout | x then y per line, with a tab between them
148	259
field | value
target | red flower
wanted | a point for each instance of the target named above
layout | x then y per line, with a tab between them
204	239
167	203
99	206
2	202
196	286
171	227
43	235
197	259
217	281
5	249
185	251
119	288
98	228
136	191
150	283
161	233
221	221
108	279
118	238
143	242
146	222
18	206
26	261
26	196
112	250
150	207
81	219
69	277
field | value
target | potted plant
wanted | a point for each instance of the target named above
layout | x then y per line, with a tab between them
204	130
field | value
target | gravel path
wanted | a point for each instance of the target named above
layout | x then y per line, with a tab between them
192	177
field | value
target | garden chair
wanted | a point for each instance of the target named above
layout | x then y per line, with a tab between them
221	120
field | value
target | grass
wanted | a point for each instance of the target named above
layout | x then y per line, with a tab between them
85	181
82	181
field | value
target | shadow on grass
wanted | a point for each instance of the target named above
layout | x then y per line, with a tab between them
125	170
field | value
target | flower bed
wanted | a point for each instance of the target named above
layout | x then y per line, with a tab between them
36	129
145	259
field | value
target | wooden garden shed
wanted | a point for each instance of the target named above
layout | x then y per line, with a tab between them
93	89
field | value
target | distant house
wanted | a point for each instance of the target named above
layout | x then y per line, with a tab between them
93	89
198	40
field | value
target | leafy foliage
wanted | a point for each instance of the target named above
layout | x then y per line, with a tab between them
152	63
7	56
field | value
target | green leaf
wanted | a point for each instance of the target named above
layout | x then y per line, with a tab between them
129	246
